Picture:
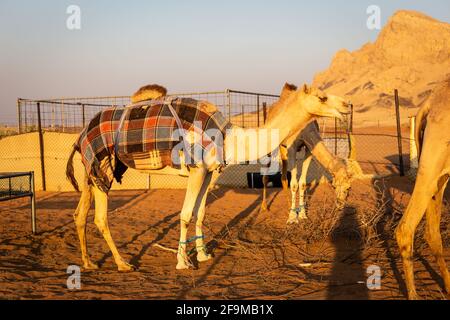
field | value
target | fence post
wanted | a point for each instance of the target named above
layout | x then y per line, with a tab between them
399	134
25	118
83	110
351	140
63	119
265	112
19	116
33	202
257	109
229	104
41	146
351	118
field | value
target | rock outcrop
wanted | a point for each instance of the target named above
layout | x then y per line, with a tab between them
411	54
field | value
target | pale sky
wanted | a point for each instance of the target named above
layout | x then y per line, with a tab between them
194	45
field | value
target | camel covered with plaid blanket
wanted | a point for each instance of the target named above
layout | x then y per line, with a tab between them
107	151
143	136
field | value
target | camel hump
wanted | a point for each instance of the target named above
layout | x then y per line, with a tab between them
149	92
207	107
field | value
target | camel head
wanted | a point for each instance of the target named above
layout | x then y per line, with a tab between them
342	184
320	104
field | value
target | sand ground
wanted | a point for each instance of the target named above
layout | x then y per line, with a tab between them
255	255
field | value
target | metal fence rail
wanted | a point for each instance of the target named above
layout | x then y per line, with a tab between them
70	115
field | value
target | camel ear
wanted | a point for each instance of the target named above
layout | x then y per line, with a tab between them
306	89
287	90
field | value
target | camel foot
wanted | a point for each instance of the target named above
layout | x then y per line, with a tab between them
302	216
203	257
263	208
126	267
293	220
183	266
447	286
413	296
88	266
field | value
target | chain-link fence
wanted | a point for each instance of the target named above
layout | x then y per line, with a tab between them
377	150
70	115
383	140
48	129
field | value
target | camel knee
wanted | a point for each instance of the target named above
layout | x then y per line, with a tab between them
184	223
83	206
80	221
404	240
434	241
302	187
101	224
429	237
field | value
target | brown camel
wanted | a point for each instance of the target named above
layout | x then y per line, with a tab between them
433	145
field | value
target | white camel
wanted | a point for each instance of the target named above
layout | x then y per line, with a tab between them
290	116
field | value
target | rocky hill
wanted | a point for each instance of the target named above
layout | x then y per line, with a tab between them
411	54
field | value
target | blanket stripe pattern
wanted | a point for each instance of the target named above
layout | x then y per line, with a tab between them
146	136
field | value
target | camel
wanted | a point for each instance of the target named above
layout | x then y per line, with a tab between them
433	146
310	142
288	117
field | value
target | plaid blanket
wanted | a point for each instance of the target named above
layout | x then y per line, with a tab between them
143	137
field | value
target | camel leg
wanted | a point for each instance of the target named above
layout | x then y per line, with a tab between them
101	221
195	183
302	185
80	217
202	256
284	179
433	231
293	217
265	180
406	229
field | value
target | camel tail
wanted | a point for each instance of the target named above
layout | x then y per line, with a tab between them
420	126
70	173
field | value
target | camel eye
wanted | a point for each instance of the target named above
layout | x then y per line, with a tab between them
323	99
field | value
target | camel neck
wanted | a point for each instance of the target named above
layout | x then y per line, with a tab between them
254	144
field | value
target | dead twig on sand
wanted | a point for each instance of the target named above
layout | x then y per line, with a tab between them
156	245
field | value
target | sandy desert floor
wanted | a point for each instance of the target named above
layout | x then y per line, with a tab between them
255	255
